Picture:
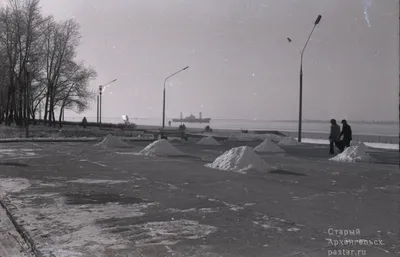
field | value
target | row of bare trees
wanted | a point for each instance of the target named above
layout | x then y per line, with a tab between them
38	67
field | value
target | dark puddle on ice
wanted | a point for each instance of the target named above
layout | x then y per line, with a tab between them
285	172
13	164
81	199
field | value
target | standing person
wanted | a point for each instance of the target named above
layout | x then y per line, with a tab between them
169	123
334	136
84	122
347	135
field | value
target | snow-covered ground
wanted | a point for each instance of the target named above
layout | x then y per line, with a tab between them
372	145
62	229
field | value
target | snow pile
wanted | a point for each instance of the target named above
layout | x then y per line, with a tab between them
111	142
239	159
358	143
353	154
268	147
161	147
208	141
288	141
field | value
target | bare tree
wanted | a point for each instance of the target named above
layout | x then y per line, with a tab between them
50	48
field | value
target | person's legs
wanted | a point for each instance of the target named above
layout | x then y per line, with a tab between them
338	144
331	150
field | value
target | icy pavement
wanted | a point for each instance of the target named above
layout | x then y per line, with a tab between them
134	205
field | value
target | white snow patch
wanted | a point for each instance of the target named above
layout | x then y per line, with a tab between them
111	141
170	232
353	154
372	145
239	159
208	141
96	181
65	230
268	147
161	148
13	185
289	141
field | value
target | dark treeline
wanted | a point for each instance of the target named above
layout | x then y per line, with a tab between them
38	65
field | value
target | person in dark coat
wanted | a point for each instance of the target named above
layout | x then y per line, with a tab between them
347	135
84	122
334	136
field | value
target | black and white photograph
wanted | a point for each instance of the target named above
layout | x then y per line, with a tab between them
199	128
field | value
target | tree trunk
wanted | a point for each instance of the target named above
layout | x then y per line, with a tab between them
46	106
60	116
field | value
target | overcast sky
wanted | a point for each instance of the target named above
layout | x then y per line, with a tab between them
241	64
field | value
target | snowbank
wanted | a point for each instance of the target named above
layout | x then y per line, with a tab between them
358	143
268	147
354	154
368	144
161	147
239	159
111	142
208	141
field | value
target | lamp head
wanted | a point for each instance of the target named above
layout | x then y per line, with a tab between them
187	67
318	19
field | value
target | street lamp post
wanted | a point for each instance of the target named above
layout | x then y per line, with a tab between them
97	102
27	89
99	98
165	81
301	76
100	94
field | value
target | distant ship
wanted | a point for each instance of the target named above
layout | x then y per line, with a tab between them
192	119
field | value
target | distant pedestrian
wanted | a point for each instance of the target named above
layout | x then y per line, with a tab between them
169	123
84	122
347	135
334	136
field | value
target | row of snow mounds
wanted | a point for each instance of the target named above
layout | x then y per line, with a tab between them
208	141
111	141
249	137
161	147
240	159
355	153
